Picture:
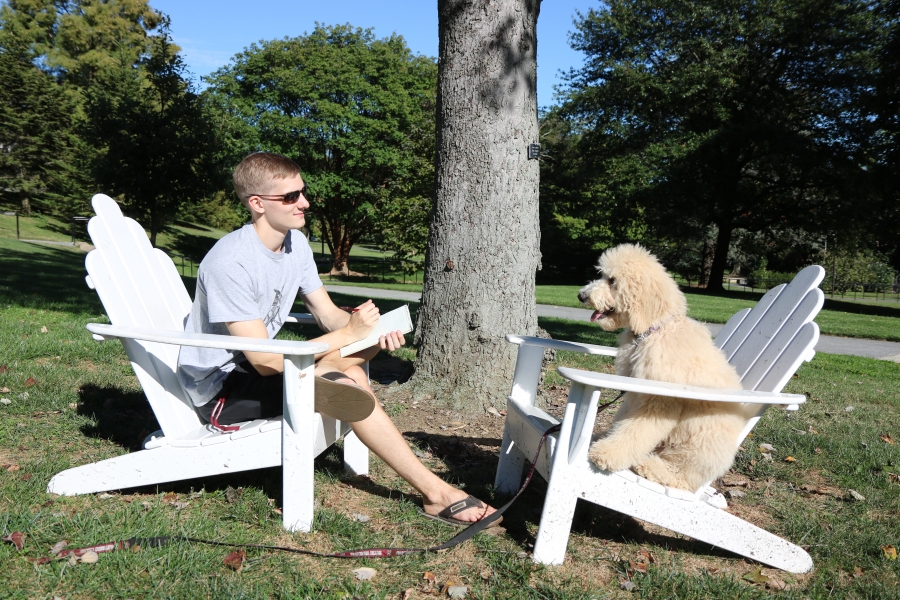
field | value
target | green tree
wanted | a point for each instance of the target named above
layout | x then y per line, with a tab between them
724	114
350	109
155	137
35	127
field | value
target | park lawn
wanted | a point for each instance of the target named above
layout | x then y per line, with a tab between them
73	401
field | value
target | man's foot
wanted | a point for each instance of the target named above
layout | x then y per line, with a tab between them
342	400
461	510
448	515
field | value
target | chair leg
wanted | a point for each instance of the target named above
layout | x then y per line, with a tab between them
556	523
297	453
509	470
356	455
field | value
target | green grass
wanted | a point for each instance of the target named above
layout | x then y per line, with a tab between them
74	401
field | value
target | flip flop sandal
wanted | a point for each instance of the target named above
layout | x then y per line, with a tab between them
343	401
446	515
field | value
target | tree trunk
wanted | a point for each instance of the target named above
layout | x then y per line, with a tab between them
484	239
717	271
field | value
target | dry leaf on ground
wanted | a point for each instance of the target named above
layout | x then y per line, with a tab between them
364	573
886	439
89	557
16	538
756	577
639	567
235	560
30	382
889	551
58	547
457	591
4	390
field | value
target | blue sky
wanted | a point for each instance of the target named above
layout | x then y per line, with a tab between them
210	32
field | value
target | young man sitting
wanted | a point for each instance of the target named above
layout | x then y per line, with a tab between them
246	286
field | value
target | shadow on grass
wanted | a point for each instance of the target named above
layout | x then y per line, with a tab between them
48	276
122	417
189	244
886	310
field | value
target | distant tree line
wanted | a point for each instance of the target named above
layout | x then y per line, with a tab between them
726	136
95	97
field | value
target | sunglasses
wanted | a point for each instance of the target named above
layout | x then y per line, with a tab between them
289	198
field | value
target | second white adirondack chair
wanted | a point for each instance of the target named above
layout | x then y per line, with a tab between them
766	344
147	304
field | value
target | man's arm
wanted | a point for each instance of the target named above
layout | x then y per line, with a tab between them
355	327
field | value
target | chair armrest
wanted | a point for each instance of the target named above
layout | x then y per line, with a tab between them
304	318
677	390
103	332
527	340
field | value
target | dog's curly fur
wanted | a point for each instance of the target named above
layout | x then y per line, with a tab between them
679	443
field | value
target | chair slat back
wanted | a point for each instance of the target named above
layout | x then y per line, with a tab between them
139	286
768	343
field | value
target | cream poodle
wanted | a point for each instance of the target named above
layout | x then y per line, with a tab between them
679	443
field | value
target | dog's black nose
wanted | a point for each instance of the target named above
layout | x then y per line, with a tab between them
582	297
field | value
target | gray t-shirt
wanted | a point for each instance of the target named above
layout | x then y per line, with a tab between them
241	280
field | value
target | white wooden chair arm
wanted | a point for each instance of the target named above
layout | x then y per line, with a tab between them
303	318
676	390
527	340
103	332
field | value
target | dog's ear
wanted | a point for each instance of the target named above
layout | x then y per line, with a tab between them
648	293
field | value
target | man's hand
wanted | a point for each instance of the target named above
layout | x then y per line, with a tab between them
391	341
363	320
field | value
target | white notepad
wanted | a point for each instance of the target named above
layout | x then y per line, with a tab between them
395	320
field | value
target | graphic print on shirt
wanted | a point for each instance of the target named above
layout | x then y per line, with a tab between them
275	311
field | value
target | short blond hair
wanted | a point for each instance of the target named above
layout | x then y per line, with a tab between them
254	174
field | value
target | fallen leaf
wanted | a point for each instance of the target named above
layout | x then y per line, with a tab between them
58	547
43	560
767	456
647	555
889	551
16	538
628	586
735	494
856	495
6	401
180	505
146	505
494	411
818	451
429	577
790	459
13	468
170	497
4	369
639	567
764	448
457	591
89	557
235	560
232	495
44	329
104	496
364	573
886	439
361	517
857	571
775	583
30	382
756	577
26	476
4	390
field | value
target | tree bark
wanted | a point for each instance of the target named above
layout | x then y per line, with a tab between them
717	271
484	238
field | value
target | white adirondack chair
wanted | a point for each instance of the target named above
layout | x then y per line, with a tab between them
147	305
766	344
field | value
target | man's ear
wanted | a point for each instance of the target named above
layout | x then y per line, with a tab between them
256	206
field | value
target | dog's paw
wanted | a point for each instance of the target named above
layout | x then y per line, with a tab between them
605	456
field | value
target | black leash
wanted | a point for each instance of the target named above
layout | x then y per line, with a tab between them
462	536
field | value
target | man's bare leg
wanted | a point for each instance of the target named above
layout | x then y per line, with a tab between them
383	438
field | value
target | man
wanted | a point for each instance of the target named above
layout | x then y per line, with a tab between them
245	287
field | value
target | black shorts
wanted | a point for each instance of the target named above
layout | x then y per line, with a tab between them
249	396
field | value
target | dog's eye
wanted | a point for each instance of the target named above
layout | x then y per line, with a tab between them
612	281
